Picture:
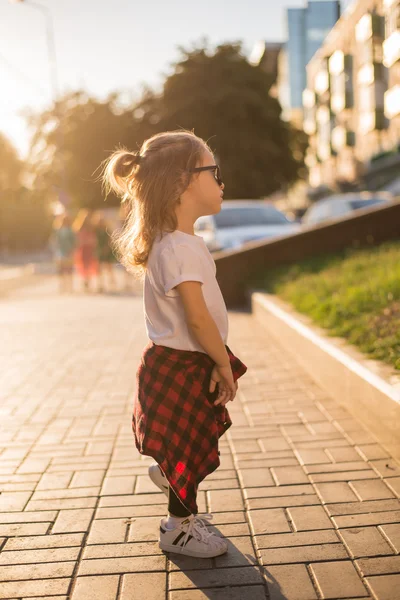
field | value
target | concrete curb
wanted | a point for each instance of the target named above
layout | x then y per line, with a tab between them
341	371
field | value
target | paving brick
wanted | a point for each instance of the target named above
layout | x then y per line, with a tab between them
255	592
386	467
121	550
338	467
13	501
289	475
369	506
276	491
394	484
392	533
36	571
339	491
107	531
215	484
62	503
44	541
312	456
71	521
386	587
375	489
25	589
233	529
215	577
137	586
132	511
229	517
269	521
21	557
274	444
342	476
85	492
132	500
291	582
365	541
303	554
379	566
145	529
302	538
94	588
255	477
379	518
28	517
338	580
372	451
345	454
220	500
283	501
87	478
309	517
54	481
240	553
104	566
24	529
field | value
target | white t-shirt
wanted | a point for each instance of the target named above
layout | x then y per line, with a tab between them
174	258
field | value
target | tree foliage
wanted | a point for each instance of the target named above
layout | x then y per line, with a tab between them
218	94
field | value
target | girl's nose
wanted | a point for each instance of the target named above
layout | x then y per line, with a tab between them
222	185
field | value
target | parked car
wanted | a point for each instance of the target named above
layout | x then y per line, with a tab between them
241	221
340	205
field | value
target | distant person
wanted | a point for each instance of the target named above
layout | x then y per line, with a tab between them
85	255
187	373
104	252
63	243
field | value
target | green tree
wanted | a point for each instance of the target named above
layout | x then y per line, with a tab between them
217	93
226	100
24	217
72	139
11	166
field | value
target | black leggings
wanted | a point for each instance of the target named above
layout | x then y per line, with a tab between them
175	506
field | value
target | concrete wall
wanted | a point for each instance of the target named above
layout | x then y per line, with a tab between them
235	267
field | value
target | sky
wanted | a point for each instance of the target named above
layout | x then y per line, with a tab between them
115	45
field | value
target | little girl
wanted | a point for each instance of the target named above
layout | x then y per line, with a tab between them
187	373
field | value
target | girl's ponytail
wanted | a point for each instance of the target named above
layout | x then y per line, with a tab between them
118	172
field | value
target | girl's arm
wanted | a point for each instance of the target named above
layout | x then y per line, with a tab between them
201	323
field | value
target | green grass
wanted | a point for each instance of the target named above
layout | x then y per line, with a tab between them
354	294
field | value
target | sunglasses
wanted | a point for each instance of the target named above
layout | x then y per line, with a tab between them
215	168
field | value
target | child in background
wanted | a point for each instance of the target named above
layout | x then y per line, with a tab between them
63	242
187	373
104	252
85	255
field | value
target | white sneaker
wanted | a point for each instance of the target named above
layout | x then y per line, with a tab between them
192	538
158	478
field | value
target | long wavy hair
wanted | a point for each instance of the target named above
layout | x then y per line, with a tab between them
151	181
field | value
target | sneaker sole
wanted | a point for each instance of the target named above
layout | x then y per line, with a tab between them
155	477
187	552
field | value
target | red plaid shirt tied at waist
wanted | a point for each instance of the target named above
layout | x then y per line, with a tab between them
174	418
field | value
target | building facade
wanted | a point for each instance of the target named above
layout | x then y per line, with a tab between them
352	100
307	30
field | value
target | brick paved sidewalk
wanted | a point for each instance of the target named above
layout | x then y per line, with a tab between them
307	497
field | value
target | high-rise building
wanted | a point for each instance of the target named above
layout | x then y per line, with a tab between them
307	30
352	100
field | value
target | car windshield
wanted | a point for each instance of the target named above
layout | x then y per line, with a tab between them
245	216
355	204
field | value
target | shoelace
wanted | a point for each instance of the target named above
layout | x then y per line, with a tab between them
197	529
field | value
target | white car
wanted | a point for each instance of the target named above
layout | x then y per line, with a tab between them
241	221
340	205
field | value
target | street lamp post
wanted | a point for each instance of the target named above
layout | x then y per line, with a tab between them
51	49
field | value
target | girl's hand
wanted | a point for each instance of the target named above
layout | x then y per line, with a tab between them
226	386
